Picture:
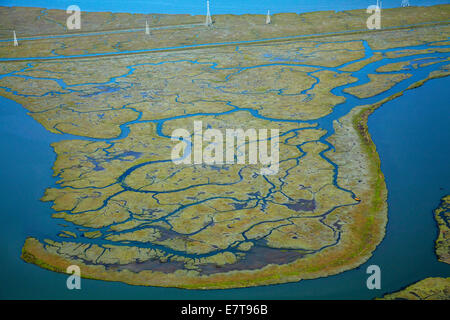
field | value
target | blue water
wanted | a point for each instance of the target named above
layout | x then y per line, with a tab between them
217	7
413	140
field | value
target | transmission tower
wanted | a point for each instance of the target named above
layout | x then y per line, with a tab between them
208	21
268	19
16	43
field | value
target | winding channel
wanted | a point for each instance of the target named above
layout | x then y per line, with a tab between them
325	123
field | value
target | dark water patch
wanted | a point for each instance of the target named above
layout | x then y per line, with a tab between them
134	154
239	206
337	225
302	205
258	257
151	265
166	234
